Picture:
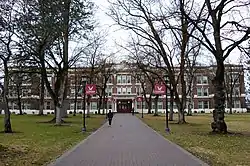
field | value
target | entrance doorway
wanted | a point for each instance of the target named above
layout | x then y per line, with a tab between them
124	106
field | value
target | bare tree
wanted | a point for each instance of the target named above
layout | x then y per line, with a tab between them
49	48
150	22
223	28
7	45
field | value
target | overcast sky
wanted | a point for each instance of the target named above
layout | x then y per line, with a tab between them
120	36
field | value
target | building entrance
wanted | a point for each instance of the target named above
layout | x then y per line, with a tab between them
124	106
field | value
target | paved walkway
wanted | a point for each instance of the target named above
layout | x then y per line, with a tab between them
128	142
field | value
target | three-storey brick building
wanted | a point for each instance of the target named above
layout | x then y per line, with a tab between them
124	86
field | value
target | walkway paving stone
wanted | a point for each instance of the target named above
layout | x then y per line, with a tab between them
128	142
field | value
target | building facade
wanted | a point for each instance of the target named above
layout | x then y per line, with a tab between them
124	87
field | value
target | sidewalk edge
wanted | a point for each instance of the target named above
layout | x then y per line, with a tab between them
67	152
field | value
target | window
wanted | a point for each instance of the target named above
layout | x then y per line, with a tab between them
205	92
25	92
205	80
109	106
48	107
202	79
79	105
200	105
123	79
129	90
94	105
26	106
199	92
235	78
72	92
202	92
236	91
199	79
108	91
110	80
124	90
160	105
119	78
119	90
237	104
72	106
205	104
129	79
138	90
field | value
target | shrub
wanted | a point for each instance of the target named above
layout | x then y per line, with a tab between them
33	112
48	112
202	112
195	112
95	112
70	112
25	113
13	112
80	112
52	112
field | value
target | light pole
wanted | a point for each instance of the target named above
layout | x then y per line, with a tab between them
84	81
166	77
106	104
142	81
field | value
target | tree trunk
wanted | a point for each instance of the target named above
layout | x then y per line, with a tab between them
181	117
149	104
64	108
230	104
58	114
181	114
171	112
99	105
156	105
41	104
219	125
7	122
19	103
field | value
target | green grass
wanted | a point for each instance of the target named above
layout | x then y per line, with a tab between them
216	150
36	143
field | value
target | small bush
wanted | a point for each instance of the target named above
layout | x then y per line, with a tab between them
33	112
95	112
13	112
195	112
80	112
25	113
70	112
202	112
52	112
48	113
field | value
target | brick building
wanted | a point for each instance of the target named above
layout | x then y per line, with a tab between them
124	87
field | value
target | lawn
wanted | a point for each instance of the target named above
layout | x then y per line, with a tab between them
216	150
36	143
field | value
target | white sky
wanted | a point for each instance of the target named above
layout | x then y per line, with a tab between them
120	35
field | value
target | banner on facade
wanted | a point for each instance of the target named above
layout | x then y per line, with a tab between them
90	89
159	89
140	99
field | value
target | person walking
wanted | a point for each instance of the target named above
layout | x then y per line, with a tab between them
110	117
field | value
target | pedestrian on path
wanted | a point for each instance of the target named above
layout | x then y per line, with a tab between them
110	117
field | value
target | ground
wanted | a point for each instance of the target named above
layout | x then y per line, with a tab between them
217	150
36	143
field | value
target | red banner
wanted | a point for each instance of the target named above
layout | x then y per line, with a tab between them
159	89
90	89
